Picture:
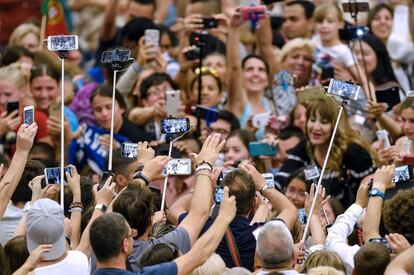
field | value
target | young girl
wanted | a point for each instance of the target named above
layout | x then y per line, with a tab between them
330	51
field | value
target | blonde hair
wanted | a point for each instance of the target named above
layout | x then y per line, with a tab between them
345	136
13	74
324	258
293	45
213	266
323	10
324	270
21	31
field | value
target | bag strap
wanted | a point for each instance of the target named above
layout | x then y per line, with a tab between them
231	244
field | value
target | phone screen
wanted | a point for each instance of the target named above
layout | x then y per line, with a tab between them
129	150
28	116
52	175
174	125
219	195
402	174
11	106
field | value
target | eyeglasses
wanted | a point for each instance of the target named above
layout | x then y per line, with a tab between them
207	70
156	93
223	132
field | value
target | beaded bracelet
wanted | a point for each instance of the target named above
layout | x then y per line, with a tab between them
75	209
202	168
76	204
205	162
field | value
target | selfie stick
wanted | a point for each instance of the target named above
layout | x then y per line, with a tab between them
111	134
62	56
325	162
164	191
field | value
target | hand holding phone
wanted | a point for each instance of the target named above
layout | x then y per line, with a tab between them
52	175
12	106
104	178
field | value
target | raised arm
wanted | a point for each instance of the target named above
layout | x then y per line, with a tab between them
403	264
381	182
237	97
208	243
108	29
24	142
286	209
203	192
75	212
264	43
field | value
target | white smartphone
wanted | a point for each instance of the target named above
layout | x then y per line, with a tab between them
62	43
260	120
129	150
311	173
28	115
178	167
383	134
173	102
152	37
269	179
343	89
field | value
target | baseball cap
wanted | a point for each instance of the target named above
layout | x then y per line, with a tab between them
45	225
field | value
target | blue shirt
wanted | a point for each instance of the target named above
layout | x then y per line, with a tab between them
164	268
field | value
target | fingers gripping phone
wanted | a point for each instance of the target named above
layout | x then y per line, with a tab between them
104	178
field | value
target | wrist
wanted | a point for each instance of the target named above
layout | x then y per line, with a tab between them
76	196
380	186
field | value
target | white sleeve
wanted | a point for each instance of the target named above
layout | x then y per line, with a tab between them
339	232
346	57
127	80
400	45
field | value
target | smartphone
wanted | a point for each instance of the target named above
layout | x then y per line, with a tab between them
152	37
175	125
210	23
219	194
253	12
260	120
105	176
257	148
28	115
205	113
355	7
178	167
269	179
52	175
303	218
129	150
383	135
55	110
173	102
311	173
403	174
343	89
391	96
11	106
193	54
62	43
117	55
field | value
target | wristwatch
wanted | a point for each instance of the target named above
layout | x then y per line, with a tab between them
264	188
101	207
375	192
141	176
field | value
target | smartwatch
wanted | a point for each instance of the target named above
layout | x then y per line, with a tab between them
101	207
264	188
141	176
375	192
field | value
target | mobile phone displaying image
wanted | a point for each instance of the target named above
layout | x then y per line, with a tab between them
311	173
403	174
173	102
178	167
257	148
210	23
302	217
129	150
269	179
28	115
52	175
105	176
62	43
206	113
54	110
175	125
152	37
117	55
219	194
253	12
343	89
11	106
356	7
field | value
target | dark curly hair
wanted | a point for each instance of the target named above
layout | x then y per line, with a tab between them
398	214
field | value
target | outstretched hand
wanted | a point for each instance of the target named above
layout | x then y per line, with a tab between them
153	168
227	206
210	150
25	137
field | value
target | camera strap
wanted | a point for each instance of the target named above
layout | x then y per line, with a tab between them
232	245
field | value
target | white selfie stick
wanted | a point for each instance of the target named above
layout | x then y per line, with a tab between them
62	134
111	134
325	162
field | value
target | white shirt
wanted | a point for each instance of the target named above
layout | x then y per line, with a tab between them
9	222
75	262
399	44
338	233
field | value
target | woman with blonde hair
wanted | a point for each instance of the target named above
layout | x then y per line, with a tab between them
350	159
26	35
213	266
324	258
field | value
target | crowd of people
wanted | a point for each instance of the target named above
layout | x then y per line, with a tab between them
251	95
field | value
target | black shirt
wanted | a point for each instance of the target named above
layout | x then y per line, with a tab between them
133	132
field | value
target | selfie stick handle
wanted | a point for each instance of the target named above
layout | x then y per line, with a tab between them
62	130
325	162
164	191
111	134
